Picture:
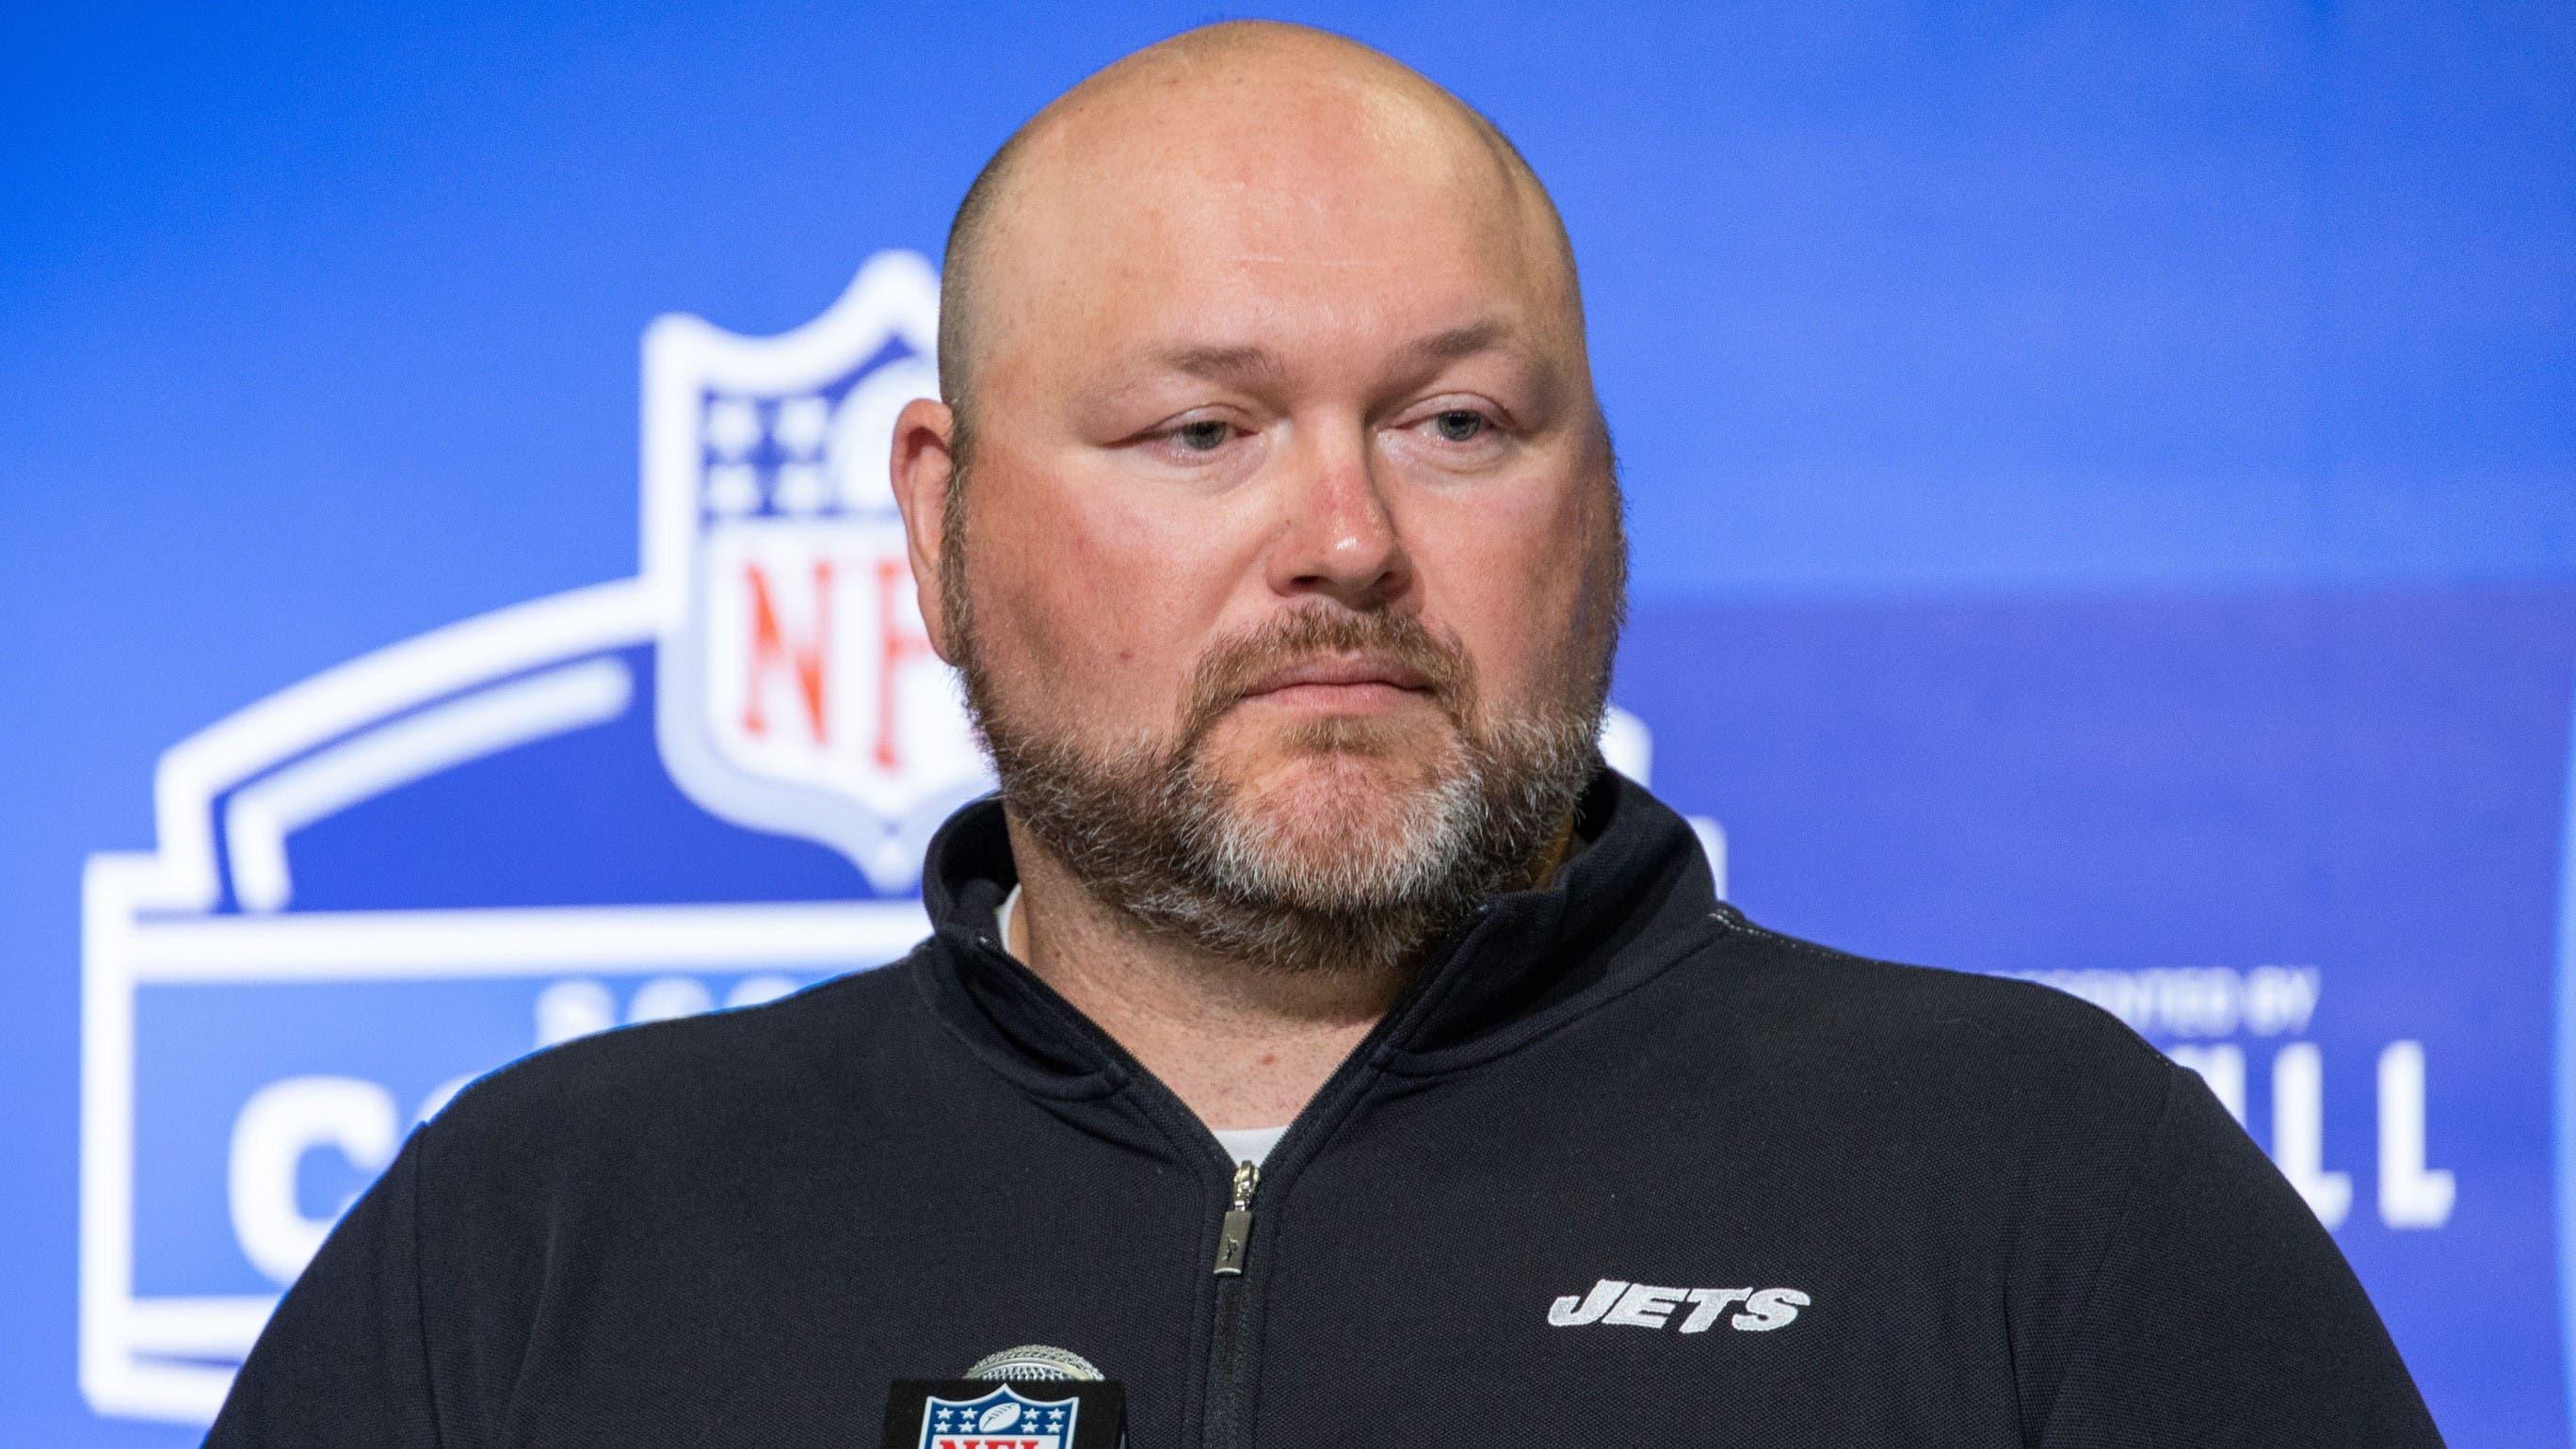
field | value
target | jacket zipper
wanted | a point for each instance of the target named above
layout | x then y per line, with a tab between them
1235	1238
1228	1360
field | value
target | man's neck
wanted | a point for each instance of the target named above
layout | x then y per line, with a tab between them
1240	1046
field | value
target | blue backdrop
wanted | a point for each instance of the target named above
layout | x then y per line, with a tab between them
2103	482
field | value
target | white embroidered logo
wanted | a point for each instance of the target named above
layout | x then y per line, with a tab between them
1641	1305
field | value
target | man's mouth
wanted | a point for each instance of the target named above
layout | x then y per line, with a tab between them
1341	683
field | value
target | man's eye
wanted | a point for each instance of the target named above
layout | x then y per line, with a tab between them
1204	436
1461	425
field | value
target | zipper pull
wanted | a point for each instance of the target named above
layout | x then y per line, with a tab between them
1235	1238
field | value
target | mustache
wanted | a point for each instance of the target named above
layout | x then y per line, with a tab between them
1229	670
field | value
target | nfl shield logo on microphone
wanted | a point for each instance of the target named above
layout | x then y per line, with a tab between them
1002	1419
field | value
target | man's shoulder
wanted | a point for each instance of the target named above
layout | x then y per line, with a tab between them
1928	1029
667	1083
1906	996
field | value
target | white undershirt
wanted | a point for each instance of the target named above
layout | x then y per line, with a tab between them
1250	1144
1243	1144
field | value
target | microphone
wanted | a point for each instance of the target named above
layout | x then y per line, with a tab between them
1034	1396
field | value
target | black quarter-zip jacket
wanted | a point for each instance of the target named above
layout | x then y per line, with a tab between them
1622	1168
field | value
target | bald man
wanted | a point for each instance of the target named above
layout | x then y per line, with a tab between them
1315	1038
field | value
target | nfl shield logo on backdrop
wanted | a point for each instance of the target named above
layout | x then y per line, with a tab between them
1002	1419
798	690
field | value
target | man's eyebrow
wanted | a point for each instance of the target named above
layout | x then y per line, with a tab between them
1464	341
1246	364
1224	363
1251	360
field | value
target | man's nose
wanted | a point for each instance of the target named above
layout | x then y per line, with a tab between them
1339	537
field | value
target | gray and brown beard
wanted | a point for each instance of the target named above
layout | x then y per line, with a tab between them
1152	830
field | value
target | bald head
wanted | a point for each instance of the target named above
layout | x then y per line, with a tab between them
1224	114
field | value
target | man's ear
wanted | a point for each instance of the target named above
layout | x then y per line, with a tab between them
923	468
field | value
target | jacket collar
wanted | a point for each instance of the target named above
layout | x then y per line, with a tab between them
1636	885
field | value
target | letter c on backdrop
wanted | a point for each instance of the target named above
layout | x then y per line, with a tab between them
280	1124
